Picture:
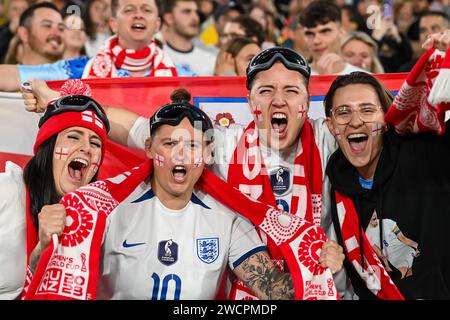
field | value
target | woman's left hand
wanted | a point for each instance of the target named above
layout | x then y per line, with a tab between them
439	40
331	256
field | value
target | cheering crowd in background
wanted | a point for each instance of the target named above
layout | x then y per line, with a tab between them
206	38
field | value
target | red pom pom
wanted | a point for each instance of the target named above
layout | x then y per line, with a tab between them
75	86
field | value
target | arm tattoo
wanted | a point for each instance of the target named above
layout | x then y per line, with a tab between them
260	274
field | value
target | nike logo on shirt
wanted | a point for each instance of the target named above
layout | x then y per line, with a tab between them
129	245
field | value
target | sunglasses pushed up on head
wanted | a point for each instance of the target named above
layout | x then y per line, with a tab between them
77	103
267	58
173	113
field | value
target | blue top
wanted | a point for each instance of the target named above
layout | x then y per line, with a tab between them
366	184
73	69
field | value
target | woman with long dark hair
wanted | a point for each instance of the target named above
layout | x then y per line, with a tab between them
67	153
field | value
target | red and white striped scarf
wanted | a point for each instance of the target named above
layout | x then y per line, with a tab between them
248	174
68	268
421	103
112	57
372	272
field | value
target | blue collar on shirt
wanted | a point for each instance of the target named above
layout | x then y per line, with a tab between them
366	184
150	194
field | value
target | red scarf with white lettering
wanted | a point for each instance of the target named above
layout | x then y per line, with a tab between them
55	124
421	103
372	272
248	174
68	268
112	57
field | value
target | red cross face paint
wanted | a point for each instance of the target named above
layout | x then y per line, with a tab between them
159	160
177	152
61	153
77	155
361	138
281	95
95	163
257	114
377	128
301	111
198	162
337	134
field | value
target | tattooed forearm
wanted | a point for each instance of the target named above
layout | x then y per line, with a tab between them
260	274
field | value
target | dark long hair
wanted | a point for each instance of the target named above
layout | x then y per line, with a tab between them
39	179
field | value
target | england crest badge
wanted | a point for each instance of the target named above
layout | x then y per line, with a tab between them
208	249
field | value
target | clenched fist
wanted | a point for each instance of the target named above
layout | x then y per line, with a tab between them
52	220
331	256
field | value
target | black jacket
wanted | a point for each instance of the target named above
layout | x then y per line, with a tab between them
411	187
5	39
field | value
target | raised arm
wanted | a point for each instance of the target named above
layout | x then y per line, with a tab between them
10	78
259	273
440	41
121	120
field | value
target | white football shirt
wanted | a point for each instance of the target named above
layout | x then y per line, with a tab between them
153	252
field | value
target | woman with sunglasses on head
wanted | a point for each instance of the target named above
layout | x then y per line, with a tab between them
67	154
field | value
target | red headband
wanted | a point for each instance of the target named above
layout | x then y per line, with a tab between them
57	123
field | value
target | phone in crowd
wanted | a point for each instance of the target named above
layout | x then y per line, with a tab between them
388	9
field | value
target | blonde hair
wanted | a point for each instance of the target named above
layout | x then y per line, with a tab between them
376	66
14	52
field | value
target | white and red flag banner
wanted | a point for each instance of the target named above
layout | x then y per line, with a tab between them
224	99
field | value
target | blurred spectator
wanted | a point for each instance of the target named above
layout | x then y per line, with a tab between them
59	4
270	8
360	50
96	18
296	38
294	9
297	6
206	12
132	52
13	11
3	19
394	48
323	32
352	20
235	56
267	21
223	13
364	7
267	6
430	22
419	8
180	27
242	26
74	37
41	32
15	51
403	14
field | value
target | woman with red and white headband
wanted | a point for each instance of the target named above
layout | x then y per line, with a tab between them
68	151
